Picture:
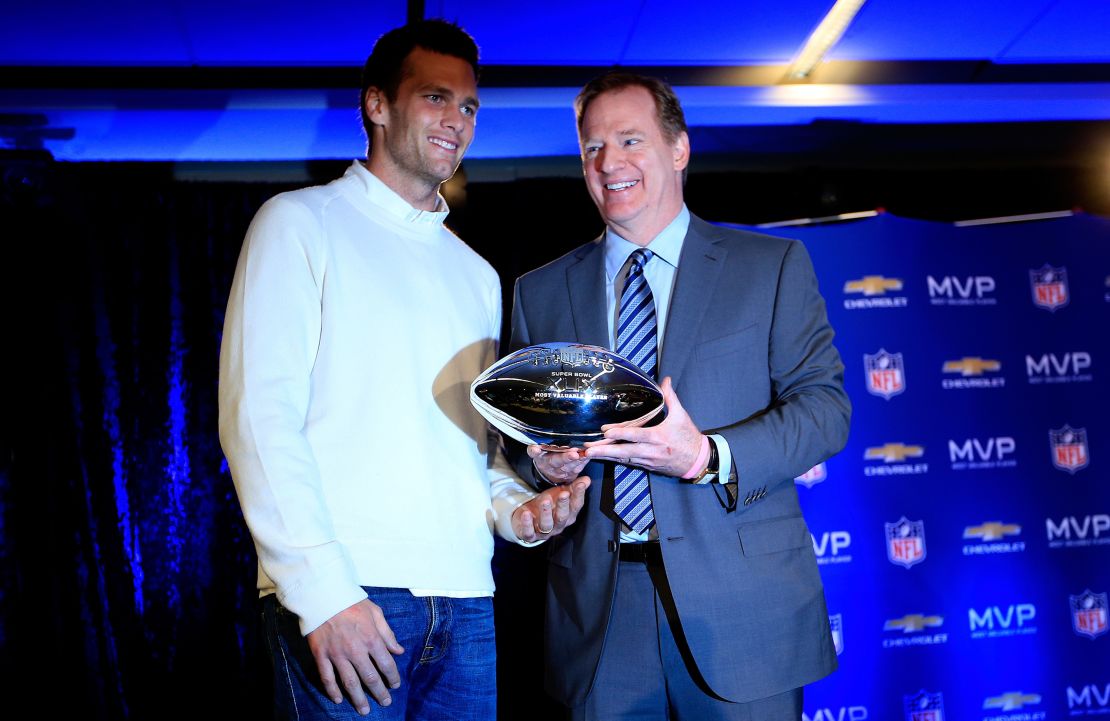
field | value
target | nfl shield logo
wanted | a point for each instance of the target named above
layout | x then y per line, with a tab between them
1088	614
813	476
838	633
1069	448
924	706
905	542
885	375
1050	287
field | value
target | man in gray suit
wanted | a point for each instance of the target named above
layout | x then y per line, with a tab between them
688	588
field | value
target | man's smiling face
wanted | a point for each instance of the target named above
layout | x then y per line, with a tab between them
633	173
430	124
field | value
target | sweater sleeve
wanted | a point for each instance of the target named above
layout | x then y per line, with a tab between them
507	490
271	338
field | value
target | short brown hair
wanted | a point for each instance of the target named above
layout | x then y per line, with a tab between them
668	111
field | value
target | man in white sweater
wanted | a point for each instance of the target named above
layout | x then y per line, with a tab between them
355	326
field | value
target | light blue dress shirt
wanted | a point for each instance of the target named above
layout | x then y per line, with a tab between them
660	272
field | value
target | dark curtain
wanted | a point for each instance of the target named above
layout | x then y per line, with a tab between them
128	570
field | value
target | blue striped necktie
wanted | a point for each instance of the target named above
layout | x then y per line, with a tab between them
637	340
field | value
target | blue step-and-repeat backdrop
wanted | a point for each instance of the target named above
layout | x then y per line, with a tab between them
964	532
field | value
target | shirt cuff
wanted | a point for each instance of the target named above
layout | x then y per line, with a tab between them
724	457
316	599
505	504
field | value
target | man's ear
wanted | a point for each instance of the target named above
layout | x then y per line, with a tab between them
681	151
375	106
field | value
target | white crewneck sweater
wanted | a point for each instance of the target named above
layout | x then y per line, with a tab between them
354	328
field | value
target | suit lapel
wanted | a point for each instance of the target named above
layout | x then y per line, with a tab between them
586	284
699	270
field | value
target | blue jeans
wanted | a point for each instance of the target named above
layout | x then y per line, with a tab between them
448	669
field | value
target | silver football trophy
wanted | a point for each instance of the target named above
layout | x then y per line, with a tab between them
559	395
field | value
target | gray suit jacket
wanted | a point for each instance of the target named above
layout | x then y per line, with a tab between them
762	371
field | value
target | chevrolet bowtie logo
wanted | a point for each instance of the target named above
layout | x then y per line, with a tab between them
992	530
973	366
912	623
893	452
873	285
1011	701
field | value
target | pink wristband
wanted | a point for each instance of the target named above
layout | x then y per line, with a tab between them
702	459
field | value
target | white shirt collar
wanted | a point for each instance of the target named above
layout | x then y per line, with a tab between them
382	195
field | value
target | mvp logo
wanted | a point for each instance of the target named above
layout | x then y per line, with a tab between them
1090	696
1050	367
981	455
955	288
995	621
972	449
1073	532
1072	527
832	542
844	713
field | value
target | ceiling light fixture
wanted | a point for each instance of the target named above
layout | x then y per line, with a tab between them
827	33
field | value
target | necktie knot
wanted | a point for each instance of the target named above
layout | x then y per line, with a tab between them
640	257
